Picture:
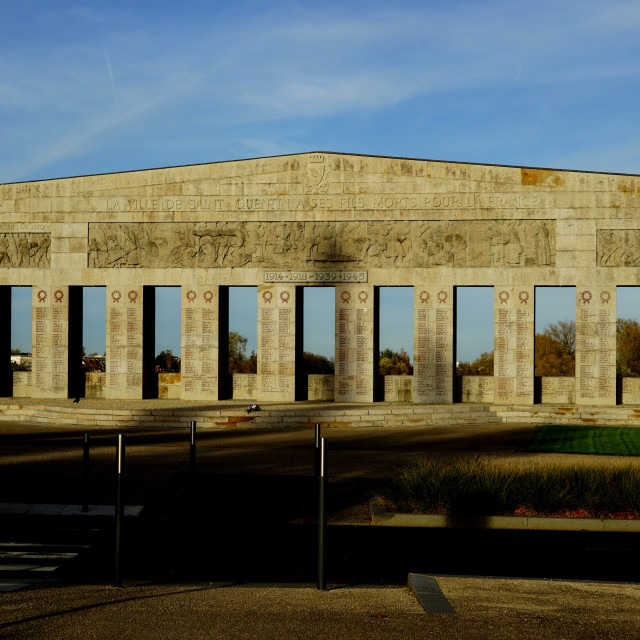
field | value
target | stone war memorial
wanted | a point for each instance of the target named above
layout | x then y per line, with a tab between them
350	222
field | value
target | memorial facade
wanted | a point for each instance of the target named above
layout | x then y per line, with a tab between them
283	224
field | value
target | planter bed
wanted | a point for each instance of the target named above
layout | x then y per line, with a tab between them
382	517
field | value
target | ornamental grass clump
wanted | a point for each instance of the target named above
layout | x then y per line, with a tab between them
477	486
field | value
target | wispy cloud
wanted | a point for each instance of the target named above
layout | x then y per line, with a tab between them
235	68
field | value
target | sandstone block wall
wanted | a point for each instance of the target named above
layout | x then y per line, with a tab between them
355	223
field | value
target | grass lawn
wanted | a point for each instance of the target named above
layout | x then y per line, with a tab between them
614	441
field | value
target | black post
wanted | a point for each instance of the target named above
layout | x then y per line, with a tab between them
85	474
316	454
119	505
322	514
192	447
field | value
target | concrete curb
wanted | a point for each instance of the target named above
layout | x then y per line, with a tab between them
382	517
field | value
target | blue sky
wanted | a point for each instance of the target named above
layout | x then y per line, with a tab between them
96	87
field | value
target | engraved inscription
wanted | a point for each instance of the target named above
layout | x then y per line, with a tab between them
315	276
317	175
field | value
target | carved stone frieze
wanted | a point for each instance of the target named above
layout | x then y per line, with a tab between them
25	250
338	244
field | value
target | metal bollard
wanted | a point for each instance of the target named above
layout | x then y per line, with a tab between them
316	454
85	474
119	506
192	446
322	514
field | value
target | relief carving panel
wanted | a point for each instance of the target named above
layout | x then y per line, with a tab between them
299	245
25	250
618	247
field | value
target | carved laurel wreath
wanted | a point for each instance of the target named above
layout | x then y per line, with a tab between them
132	295
586	297
442	296
605	296
267	296
116	295
345	296
424	297
191	295
503	296
284	296
42	295
58	295
363	296
523	296
208	296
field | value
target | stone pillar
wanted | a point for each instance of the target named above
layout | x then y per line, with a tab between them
53	343
6	375
205	342
127	346
433	343
357	347
596	345
513	351
277	342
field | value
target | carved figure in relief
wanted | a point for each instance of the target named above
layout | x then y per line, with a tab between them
183	250
285	238
432	249
96	253
630	253
322	244
607	249
543	249
375	246
456	245
150	250
513	248
237	253
5	258
24	250
352	240
257	241
505	244
41	257
398	243
131	247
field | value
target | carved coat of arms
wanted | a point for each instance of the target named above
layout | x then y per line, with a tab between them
316	174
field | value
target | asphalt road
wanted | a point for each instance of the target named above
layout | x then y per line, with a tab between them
215	553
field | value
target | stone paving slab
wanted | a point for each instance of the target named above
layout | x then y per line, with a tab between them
66	510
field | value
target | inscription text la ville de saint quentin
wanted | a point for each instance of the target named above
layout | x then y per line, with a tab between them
368	202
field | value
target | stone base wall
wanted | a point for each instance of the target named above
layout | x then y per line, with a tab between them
22	384
398	388
305	415
557	390
475	388
470	389
169	385
95	384
244	386
630	390
320	387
